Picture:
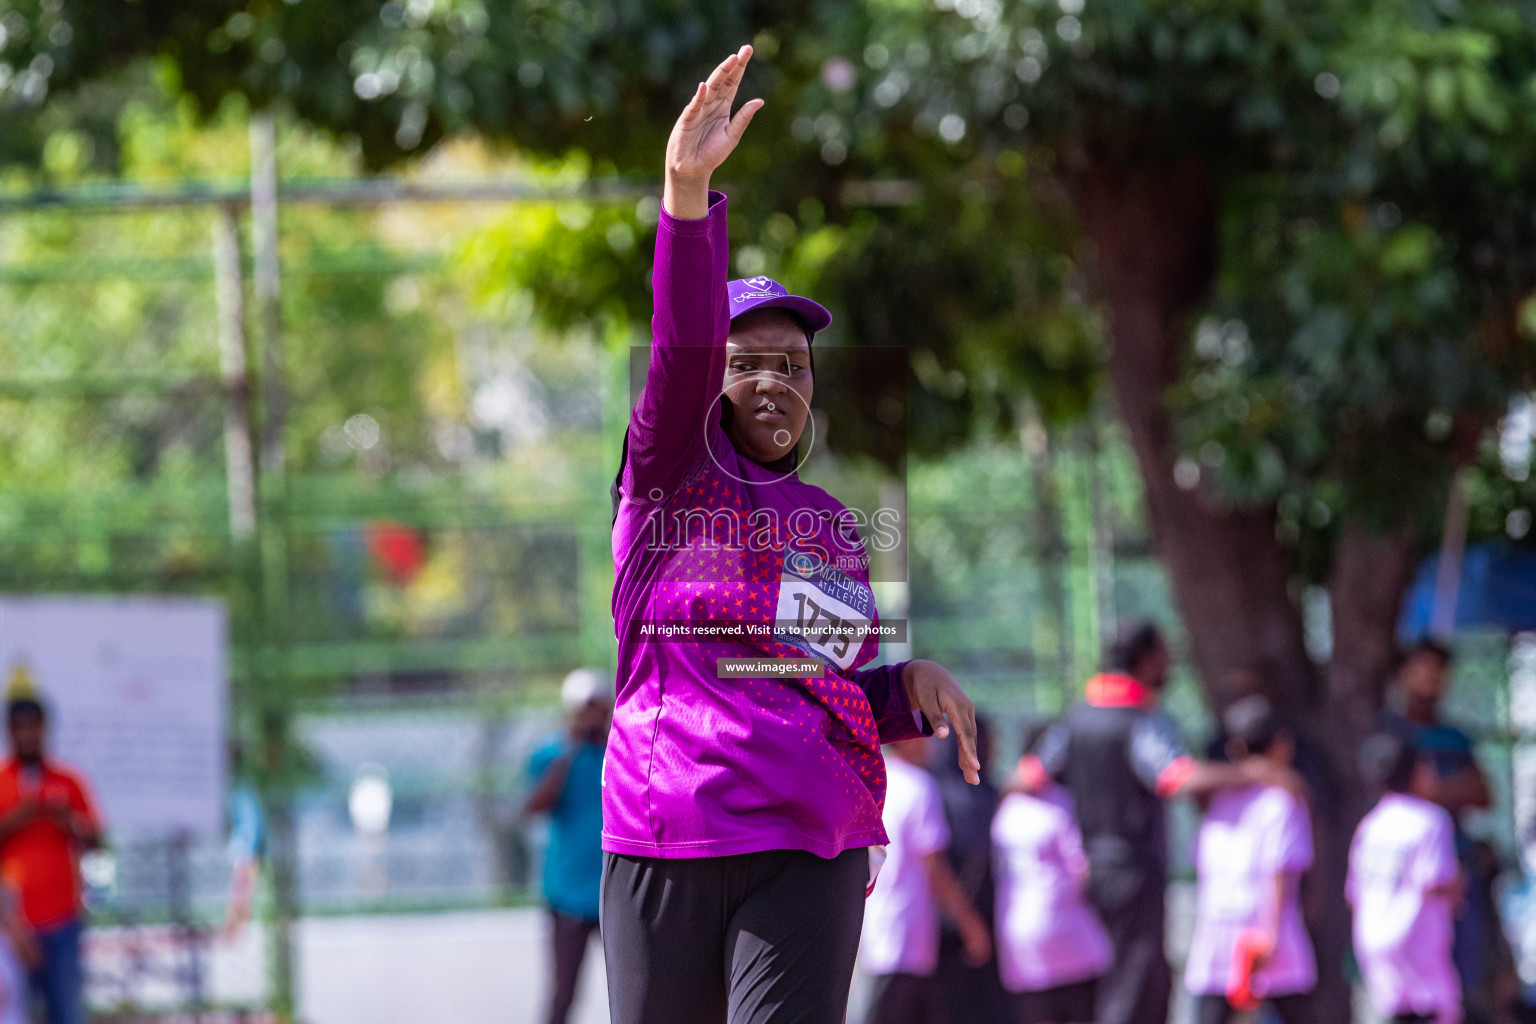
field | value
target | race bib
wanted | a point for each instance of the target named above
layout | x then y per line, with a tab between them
822	611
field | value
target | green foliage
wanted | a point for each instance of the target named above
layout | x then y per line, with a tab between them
398	76
573	259
1365	328
1372	310
606	79
112	435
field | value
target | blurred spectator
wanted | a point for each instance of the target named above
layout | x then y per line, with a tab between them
1051	947
247	841
568	786
1456	782
18	954
1250	944
1309	759
1413	711
1404	885
1518	905
47	819
900	945
1120	758
970	992
1326	916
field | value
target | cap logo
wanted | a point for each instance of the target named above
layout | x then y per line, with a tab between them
760	288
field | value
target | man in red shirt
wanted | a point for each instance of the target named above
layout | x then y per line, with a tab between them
47	819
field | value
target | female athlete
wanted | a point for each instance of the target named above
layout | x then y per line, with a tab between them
739	812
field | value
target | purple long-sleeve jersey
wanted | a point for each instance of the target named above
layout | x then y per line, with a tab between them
697	765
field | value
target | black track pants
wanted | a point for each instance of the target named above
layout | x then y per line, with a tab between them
757	938
1137	987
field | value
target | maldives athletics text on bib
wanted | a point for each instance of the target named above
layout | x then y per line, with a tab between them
822	611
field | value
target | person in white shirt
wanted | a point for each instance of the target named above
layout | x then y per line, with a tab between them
1051	946
1404	885
900	944
1250	944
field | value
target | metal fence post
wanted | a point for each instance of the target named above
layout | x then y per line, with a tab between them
275	699
239	454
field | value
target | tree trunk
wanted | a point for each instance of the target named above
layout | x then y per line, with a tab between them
1370	573
1155	231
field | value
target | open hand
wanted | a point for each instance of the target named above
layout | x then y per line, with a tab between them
704	135
934	691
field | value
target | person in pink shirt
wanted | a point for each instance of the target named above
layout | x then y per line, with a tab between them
900	945
1051	946
1250	943
1404	885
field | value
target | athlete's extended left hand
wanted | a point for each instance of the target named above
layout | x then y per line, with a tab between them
932	689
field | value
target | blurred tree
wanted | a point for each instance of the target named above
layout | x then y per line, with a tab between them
1339	186
605	79
111	442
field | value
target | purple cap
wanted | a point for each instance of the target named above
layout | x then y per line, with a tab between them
765	293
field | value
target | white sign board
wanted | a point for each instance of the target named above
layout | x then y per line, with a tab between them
135	689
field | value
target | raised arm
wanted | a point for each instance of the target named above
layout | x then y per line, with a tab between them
704	135
670	421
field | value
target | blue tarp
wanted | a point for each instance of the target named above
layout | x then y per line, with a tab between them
1498	588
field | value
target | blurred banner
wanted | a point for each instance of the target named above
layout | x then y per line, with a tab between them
137	693
1496	588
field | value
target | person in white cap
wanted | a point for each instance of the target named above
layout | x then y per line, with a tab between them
567	772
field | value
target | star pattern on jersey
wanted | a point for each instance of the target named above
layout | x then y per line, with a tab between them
714	574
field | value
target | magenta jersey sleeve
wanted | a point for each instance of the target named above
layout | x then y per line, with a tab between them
670	424
895	717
